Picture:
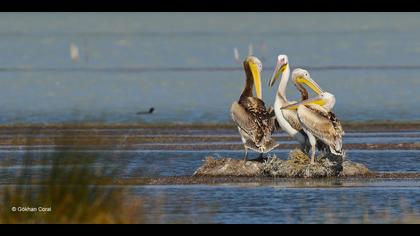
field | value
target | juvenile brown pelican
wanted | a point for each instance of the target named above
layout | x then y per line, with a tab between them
319	123
288	119
255	123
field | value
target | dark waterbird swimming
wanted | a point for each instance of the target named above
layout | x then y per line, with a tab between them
150	111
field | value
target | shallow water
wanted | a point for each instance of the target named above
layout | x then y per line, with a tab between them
276	204
184	163
181	155
132	61
294	201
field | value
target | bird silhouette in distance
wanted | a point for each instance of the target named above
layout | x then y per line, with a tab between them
150	111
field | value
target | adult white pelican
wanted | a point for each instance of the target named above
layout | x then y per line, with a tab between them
287	119
319	123
255	123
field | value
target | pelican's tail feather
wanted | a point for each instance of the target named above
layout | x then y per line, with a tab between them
336	152
269	145
251	145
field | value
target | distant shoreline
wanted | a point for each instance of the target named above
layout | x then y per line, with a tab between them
348	126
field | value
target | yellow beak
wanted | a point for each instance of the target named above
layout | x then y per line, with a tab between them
316	100
257	79
310	83
276	74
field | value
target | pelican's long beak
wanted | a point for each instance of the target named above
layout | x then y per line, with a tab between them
311	84
257	79
276	74
319	100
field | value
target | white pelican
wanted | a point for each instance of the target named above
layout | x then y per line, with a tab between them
319	123
255	123
287	119
74	52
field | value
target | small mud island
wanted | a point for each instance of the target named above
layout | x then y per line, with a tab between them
296	166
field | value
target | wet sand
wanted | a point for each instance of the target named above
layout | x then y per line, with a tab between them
193	180
222	180
192	137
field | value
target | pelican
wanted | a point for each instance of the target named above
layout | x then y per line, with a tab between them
288	119
319	122
255	123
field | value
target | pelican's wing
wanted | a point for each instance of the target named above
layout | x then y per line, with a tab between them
292	118
322	124
254	106
244	120
263	118
336	122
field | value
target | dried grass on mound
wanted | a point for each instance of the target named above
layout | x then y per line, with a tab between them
229	167
296	166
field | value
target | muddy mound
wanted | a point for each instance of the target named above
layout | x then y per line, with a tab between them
296	166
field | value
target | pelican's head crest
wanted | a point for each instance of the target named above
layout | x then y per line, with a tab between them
302	76
300	73
281	65
282	61
251	60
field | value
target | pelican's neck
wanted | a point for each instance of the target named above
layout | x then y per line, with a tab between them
283	82
249	82
280	102
303	92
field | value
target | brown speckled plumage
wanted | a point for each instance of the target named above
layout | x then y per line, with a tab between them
255	122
